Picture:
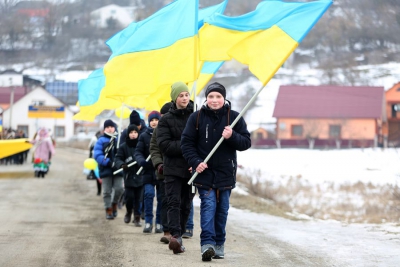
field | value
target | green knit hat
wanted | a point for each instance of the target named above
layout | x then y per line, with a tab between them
178	88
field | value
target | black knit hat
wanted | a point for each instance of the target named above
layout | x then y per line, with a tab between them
109	123
216	87
132	127
166	108
134	118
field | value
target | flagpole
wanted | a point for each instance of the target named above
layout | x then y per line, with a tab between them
194	95
251	101
120	123
194	109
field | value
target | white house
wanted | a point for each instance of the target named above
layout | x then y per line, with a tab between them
124	15
37	109
11	78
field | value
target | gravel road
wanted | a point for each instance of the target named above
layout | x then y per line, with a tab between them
59	221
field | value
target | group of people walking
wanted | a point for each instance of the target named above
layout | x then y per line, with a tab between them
159	160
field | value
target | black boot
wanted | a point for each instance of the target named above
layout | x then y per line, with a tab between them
136	221
128	216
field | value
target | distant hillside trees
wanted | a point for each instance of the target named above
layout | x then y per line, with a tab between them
351	32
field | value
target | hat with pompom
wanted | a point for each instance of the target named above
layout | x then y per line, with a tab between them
154	115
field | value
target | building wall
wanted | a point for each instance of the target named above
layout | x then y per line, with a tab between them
392	97
319	128
20	115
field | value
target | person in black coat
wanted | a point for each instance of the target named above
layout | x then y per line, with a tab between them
150	183
175	168
135	119
217	177
133	182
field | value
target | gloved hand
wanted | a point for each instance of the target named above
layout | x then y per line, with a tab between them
125	167
160	168
110	164
143	163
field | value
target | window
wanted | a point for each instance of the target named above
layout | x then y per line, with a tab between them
37	102
59	131
334	131
297	130
24	129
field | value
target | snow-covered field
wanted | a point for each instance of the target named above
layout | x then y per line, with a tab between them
350	185
343	166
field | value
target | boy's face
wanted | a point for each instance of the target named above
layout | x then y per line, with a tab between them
109	129
153	123
183	100
133	135
215	100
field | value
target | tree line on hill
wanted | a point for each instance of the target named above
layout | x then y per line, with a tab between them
351	32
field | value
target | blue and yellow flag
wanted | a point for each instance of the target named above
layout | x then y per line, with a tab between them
207	72
89	89
262	39
152	101
161	49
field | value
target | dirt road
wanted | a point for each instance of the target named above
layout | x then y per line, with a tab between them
59	221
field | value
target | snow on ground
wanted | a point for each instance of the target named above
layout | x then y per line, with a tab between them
318	166
350	244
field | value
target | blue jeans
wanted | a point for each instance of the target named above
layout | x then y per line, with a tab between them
149	193
189	224
213	216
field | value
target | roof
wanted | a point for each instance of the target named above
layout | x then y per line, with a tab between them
5	92
295	101
32	4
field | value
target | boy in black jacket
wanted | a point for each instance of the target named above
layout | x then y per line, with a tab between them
133	182
217	177
175	168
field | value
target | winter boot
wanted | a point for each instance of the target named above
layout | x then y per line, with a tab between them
109	214
207	252
166	237
114	210
175	244
128	216
158	229
148	228
136	221
188	233
219	252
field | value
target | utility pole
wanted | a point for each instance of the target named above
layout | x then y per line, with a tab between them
11	101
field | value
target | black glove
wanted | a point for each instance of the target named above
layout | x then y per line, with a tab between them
125	167
160	168
110	164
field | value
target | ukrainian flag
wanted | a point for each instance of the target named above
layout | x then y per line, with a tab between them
89	89
92	99
262	39
208	70
161	49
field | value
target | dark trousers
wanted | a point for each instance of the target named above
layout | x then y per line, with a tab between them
164	207
180	197
98	184
133	196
